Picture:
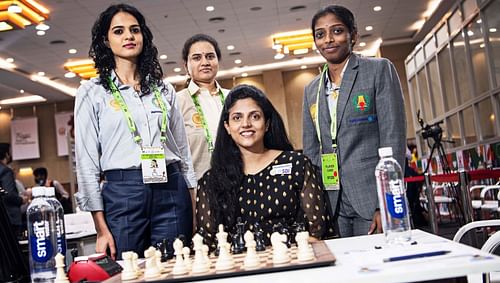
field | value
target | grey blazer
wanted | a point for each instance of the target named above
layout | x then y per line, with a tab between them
370	114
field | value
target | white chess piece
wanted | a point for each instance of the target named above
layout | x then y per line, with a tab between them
251	260
225	260
152	269
187	260
135	258
128	272
199	264
159	264
60	274
205	250
305	251
179	266
280	250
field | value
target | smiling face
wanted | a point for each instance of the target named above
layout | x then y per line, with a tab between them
202	62
125	36
247	125
333	39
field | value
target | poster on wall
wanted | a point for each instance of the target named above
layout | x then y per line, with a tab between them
62	130
24	138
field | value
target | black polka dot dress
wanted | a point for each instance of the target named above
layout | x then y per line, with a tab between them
287	191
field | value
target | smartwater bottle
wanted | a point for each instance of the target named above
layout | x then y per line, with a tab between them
42	239
50	195
392	198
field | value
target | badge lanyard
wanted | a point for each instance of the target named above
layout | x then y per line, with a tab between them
204	123
130	122
329	161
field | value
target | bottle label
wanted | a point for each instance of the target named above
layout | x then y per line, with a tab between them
41	246
395	199
61	238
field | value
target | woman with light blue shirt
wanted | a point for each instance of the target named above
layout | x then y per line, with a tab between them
125	119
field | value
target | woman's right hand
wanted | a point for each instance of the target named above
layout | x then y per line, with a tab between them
104	237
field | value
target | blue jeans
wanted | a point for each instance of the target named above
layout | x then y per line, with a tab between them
140	215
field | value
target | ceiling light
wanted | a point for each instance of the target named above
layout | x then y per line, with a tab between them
209	8
294	40
279	56
177	69
72	51
470	33
237	61
300	51
368	28
163	56
14	8
42	26
493	30
244	75
21	90
7	64
69	75
362	44
84	68
22	13
9	60
41	74
23	99
40	33
481	45
71	91
303	67
479	21
230	47
377	8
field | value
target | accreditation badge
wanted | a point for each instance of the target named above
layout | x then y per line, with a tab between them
330	171
154	168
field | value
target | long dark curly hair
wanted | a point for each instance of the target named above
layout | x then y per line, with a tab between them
148	67
226	173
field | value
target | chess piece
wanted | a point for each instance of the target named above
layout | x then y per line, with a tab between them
60	273
251	260
305	251
135	264
205	250
199	264
165	248
159	264
225	260
280	250
187	260
260	245
128	272
238	241
152	270
179	266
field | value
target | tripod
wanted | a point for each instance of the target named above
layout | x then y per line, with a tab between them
434	133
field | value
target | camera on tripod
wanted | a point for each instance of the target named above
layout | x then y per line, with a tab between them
433	131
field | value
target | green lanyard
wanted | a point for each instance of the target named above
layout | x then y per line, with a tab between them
204	123
130	122
333	113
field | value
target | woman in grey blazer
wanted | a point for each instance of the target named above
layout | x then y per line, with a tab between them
363	98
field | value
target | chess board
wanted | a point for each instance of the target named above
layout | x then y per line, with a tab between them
323	257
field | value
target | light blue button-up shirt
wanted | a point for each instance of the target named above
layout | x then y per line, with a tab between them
104	142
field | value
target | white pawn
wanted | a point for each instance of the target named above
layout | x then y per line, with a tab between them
251	259
280	250
205	250
128	272
135	258
187	260
152	269
160	265
225	260
60	274
199	264
305	251
179	266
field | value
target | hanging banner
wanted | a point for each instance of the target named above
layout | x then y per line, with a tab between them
62	130
24	138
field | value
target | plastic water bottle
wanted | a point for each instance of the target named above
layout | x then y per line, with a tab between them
42	240
392	198
50	194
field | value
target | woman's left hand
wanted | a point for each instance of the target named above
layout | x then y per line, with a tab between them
376	226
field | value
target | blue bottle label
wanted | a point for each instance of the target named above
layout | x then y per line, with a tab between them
61	237
395	199
41	246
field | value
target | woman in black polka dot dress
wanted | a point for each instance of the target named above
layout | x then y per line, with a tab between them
255	174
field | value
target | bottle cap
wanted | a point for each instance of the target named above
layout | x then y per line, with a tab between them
385	151
38	191
50	191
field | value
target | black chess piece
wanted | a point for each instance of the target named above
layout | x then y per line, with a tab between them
166	249
238	243
260	245
289	236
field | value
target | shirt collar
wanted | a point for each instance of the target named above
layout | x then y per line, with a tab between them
116	81
329	85
194	88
